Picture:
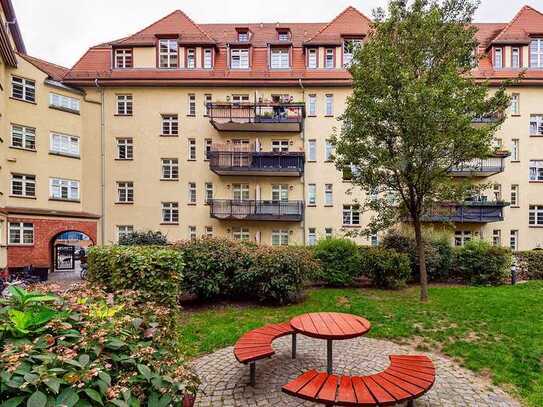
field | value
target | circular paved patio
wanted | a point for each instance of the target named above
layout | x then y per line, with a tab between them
225	381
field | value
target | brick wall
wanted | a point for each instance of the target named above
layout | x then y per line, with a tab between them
40	253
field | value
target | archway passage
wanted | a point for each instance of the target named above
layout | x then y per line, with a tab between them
68	249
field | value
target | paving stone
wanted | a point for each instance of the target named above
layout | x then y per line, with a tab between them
225	381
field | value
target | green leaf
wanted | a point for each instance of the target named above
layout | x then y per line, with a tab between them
84	360
165	401
102	386
54	384
67	398
145	371
153	400
38	399
105	377
13	402
119	403
94	395
115	344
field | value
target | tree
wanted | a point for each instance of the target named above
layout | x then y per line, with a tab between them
410	117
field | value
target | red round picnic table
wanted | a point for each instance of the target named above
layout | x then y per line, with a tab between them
330	326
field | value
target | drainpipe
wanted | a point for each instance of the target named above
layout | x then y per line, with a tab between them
102	164
303	176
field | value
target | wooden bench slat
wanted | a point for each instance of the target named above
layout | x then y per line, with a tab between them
328	390
409	387
380	394
344	324
254	351
363	395
412	366
311	389
300	381
413	380
397	392
345	394
415	358
423	376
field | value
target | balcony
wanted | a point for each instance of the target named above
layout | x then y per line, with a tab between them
487	119
483	167
468	212
257	117
229	209
272	164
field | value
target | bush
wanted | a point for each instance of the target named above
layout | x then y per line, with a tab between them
90	348
155	271
438	252
478	262
530	264
386	268
148	238
340	261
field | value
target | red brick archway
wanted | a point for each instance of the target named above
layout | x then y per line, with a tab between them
46	231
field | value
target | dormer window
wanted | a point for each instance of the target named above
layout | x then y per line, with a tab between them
279	58
191	58
243	36
283	35
123	58
208	58
536	53
498	58
239	58
168	53
349	48
515	58
312	59
329	58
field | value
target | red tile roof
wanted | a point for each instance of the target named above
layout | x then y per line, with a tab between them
527	21
349	21
55	72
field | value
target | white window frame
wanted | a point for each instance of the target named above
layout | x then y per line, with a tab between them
279	58
312	150
280	237
208	58
243	36
64	144
311	236
461	237
208	145
125	104
328	150
515	195
168	49
170	125
536	53
242	234
328	194
348	54
192	197
515	149
123	58
280	146
515	104
240	192
192	149
328	233
191	104
23	185
535	215
193	233
351	215
329	58
498	58
312	58
170	212
27	136
280	192
170	169
239	58
497	237
124	231
312	105
536	125
329	104
208	192
23	89
18	229
513	239
191	58
209	231
125	148
536	170
64	189
515	57
125	191
64	102
311	194
208	98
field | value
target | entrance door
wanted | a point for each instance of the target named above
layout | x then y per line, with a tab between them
240	157
64	257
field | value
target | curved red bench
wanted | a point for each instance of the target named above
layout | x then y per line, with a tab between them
256	344
406	379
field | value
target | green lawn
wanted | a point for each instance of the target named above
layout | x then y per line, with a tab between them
493	331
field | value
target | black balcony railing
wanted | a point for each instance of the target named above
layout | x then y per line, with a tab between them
487	119
483	167
230	209
256	163
246	116
467	212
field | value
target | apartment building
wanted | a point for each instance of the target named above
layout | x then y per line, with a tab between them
223	129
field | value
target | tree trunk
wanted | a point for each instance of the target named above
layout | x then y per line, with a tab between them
422	260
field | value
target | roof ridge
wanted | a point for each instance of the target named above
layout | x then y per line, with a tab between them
348	8
154	22
43	60
515	18
196	25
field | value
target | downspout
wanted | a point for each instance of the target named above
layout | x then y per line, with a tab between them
303	176
102	165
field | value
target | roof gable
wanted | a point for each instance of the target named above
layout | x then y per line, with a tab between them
55	72
528	21
349	21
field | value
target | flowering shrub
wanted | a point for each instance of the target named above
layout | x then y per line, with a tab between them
88	347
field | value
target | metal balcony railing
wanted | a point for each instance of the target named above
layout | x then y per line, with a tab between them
230	209
256	163
467	212
482	167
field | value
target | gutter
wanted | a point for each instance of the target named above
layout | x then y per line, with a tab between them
13	25
303	177
102	165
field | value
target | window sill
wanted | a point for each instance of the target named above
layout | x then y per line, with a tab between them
64	109
65	200
191	204
311	205
77	157
514	207
311	115
20	245
168	135
328	115
122	115
535	226
124	159
191	159
515	115
536	135
352	226
535	182
124	203
328	206
22	197
33	150
23	100
191	115
311	161
169	179
170	223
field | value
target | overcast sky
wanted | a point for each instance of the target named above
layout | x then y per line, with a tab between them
60	31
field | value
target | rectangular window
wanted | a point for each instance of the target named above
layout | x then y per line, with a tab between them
349	48
312	58
535	217
239	58
170	212
125	149
514	195
536	53
23	185
23	137
170	125
125	192
279	58
124	231
280	146
496	237
312	194
328	194
536	170
170	168
328	233
312	150
280	192
283	36
312	103
191	58
329	105
351	215
23	89
280	237
191	111
64	102
497	189
311	237
240	234
328	150
168	53
209	231
515	58
240	192
208	143
21	233
329	58
208	100
208	192
64	144
192	232
461	237
124	105
515	104
374	240
208	58
66	189
192	192
123	58
498	58
192	149
536	125
515	150
513	240
243	36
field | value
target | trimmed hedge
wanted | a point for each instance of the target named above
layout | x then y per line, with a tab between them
386	268
340	260
530	264
478	262
155	271
143	238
